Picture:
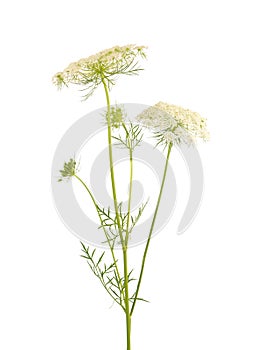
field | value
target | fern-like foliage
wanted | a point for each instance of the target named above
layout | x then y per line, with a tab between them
105	273
133	137
108	276
109	222
135	218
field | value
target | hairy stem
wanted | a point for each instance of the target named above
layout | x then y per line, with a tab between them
151	228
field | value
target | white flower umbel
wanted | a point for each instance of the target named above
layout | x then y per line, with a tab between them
107	64
174	124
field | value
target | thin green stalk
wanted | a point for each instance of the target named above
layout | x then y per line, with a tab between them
151	228
129	201
130	196
111	161
125	258
106	234
124	244
88	190
127	306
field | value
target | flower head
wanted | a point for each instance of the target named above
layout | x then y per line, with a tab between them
69	170
174	124
116	116
106	64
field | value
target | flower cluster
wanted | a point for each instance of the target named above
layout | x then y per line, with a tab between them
69	170
106	65
174	124
116	116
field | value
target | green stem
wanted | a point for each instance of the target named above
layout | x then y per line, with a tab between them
88	190
111	161
126	301
123	242
151	228
125	259
130	196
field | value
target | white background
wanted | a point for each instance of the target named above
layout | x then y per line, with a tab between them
202	284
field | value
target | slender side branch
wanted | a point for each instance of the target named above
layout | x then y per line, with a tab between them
151	228
130	195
